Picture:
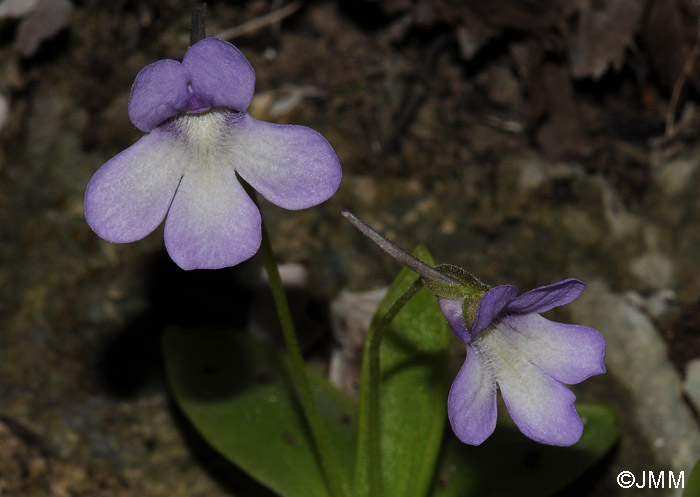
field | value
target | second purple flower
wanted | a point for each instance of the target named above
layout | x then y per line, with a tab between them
511	347
199	137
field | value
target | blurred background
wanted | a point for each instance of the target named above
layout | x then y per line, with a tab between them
525	141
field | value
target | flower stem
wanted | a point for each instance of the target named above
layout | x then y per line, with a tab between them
329	463
198	30
372	433
400	255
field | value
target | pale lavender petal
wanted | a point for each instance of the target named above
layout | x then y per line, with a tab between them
471	405
293	167
569	353
547	297
541	407
159	93
128	197
212	222
491	305
453	312
221	75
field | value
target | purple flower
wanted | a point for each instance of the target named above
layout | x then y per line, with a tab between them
199	138
528	357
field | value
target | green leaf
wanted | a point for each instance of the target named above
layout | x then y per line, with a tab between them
692	485
238	393
413	392
510	464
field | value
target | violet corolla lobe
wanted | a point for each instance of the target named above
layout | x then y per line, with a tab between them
512	347
199	138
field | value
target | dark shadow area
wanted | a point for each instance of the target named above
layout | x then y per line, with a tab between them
226	299
131	357
8	29
585	484
368	15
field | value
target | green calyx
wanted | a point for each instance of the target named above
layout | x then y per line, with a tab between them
469	285
469	288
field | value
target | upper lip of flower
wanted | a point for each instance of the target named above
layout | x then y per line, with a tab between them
199	139
213	73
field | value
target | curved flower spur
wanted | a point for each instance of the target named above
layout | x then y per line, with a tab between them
199	138
511	347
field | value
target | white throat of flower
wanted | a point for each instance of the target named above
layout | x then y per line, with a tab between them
203	136
503	360
494	349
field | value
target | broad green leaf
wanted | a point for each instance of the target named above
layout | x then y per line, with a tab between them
510	464
413	392
237	392
692	484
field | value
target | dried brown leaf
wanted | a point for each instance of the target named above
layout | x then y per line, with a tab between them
603	33
16	8
48	18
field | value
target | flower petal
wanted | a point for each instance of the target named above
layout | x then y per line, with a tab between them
492	303
212	222
128	197
452	310
159	92
221	75
541	407
569	353
292	166
547	297
471	405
